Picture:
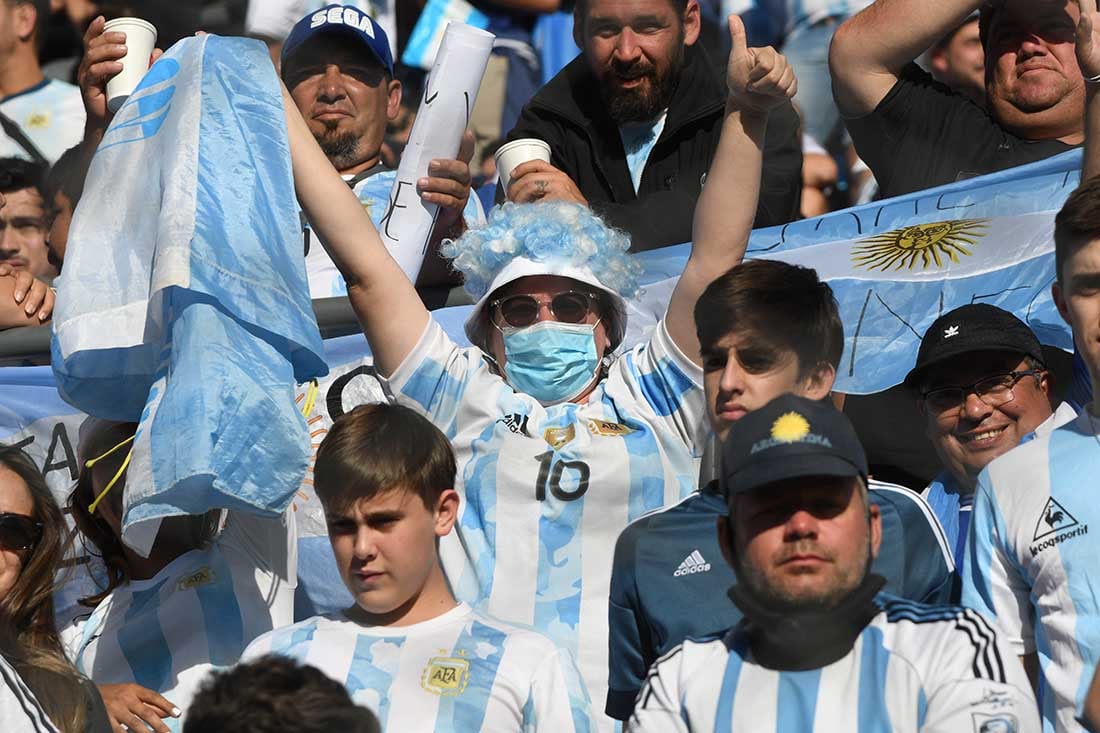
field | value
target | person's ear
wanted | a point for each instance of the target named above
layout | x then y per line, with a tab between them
446	512
25	16
692	23
876	525
817	385
393	100
1060	302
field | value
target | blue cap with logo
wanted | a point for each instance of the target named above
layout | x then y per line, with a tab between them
341	19
790	437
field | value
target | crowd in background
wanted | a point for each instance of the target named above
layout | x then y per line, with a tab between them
527	528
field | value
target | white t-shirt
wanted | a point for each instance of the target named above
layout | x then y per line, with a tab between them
198	613
275	18
1031	560
546	490
460	672
51	114
914	668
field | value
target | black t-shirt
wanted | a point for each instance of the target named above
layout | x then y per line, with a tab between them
922	134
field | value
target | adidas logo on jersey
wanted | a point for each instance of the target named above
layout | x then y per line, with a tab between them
692	564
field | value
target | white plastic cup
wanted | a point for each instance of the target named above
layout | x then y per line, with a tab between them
516	153
141	39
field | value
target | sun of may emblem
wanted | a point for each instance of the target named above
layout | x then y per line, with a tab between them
789	427
920	246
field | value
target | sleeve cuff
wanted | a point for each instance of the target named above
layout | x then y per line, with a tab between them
620	704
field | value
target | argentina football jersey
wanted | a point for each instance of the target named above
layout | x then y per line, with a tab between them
460	672
546	490
50	114
913	668
166	633
1031	560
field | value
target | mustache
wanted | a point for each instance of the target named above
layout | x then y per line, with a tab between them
803	547
632	70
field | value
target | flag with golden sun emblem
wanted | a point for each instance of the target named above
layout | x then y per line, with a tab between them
897	265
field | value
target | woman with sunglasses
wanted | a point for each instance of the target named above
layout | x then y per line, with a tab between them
31	548
560	444
161	623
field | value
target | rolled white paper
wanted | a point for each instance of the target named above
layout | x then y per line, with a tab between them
449	95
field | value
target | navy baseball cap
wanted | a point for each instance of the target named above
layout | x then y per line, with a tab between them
346	20
969	328
790	437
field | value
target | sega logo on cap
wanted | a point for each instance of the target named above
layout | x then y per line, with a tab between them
344	19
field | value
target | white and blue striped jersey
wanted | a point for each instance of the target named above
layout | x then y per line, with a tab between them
325	280
547	490
460	672
198	613
1031	561
914	668
51	114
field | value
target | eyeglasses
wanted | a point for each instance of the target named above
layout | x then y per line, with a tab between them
993	391
520	311
18	532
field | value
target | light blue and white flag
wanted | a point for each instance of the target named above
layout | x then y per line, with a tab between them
427	34
184	302
897	265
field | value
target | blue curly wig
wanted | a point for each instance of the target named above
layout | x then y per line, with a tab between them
544	232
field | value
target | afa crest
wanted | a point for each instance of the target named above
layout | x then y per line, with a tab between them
202	576
919	247
446	676
38	121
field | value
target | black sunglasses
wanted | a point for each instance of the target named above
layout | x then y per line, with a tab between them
18	531
520	311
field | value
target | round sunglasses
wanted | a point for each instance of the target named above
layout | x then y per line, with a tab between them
520	311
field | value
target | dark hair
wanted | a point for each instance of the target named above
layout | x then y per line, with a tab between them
379	447
17	174
1077	223
103	436
779	306
31	642
274	694
67	175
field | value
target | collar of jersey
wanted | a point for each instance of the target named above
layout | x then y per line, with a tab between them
805	640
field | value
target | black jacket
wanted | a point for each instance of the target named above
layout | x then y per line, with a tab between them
569	114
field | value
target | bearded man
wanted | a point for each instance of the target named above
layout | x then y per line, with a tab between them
633	122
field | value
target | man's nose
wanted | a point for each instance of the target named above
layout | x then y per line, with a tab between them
626	49
332	87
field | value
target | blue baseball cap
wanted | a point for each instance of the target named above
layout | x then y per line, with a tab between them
347	20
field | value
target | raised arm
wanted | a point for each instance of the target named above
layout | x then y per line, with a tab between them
1088	58
758	79
385	302
870	49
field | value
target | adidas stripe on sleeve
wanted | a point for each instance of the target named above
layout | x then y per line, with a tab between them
20	711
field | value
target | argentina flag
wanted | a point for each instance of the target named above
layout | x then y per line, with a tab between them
183	304
896	265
